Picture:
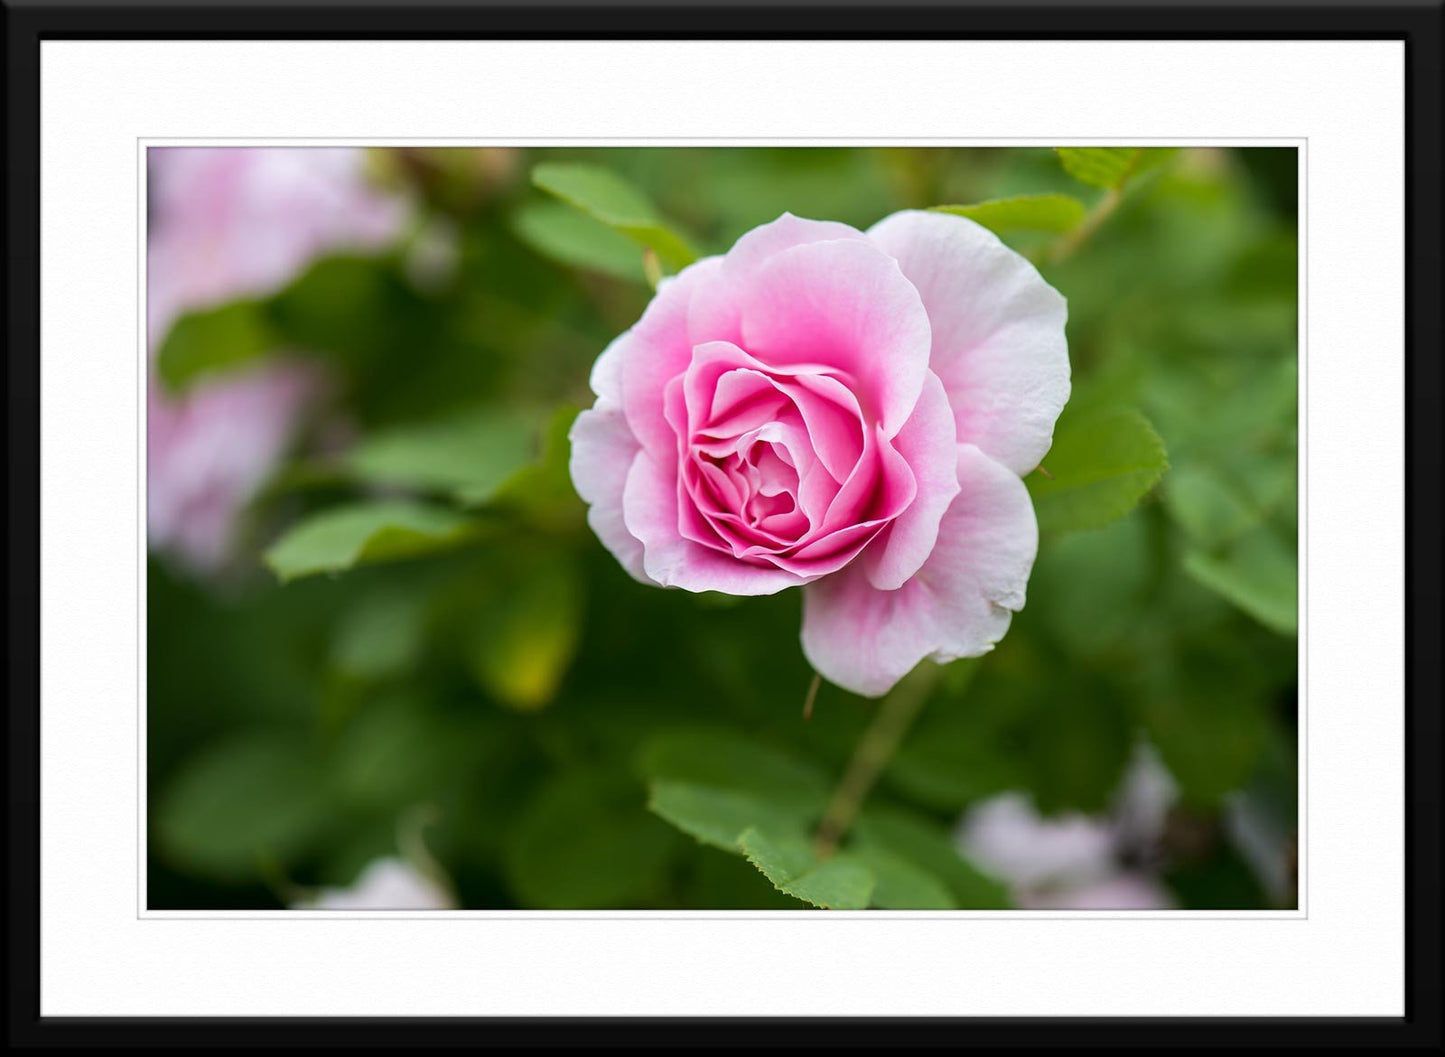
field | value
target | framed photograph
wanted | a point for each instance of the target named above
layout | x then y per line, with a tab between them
640	523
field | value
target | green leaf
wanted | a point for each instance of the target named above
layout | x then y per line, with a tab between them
713	785
240	802
1258	573
1103	461
1111	168
719	817
1106	167
471	455
719	881
1046	212
605	196
716	757
362	533
582	843
834	884
214	340
1210	508
747	799
900	884
928	848
577	240
1151	158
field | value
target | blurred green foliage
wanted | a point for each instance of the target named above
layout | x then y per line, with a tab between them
443	630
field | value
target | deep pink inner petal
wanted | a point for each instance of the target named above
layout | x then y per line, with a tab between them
779	460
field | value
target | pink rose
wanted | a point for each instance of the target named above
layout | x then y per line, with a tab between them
227	223
843	410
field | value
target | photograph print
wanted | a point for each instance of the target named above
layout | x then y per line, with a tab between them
721	528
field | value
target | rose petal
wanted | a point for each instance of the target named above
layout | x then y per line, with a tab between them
714	314
998	332
655	351
957	605
768	240
930	449
603	449
843	304
880	488
828	408
742	400
650	511
606	378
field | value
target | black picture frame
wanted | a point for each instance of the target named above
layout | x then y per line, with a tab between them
1418	24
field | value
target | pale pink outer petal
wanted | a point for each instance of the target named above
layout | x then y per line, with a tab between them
784	233
958	604
654	352
714	314
842	303
650	513
606	379
603	449
998	332
928	444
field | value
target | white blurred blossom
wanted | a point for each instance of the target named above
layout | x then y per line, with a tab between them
385	884
1076	861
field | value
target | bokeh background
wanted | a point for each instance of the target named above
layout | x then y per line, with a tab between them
388	664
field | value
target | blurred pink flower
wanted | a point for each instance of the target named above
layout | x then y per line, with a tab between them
1120	891
1006	836
231	222
228	223
845	410
1075	861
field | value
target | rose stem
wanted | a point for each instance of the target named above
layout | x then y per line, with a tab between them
1103	209
812	695
1065	247
875	748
